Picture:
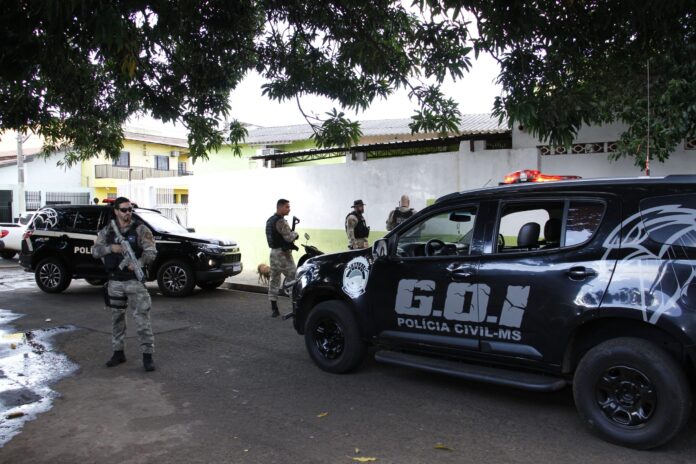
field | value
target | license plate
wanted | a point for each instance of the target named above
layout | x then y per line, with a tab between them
236	267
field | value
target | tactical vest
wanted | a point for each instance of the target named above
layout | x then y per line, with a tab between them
112	260
401	216
273	237
361	229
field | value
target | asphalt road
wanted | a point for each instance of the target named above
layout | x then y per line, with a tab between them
234	386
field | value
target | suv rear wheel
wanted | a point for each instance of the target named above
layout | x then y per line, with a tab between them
175	278
8	254
332	337
631	392
52	275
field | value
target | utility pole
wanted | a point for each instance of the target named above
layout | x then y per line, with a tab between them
20	175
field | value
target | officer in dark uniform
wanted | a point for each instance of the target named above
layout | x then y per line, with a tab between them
356	227
123	287
280	238
401	213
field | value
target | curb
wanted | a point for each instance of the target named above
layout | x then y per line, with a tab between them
245	287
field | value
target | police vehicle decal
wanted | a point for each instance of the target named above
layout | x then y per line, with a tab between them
355	276
48	216
652	282
414	307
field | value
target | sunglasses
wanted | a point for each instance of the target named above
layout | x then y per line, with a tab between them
126	210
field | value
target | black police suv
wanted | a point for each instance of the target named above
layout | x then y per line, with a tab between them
57	247
535	286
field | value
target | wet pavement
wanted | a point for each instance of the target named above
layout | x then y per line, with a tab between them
233	385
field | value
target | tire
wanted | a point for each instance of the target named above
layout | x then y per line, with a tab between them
52	275
333	338
8	254
96	282
632	393
212	285
175	278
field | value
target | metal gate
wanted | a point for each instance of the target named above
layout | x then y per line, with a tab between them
5	205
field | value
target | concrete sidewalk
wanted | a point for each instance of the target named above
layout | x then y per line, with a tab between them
247	281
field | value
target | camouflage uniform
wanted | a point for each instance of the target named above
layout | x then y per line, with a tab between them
354	243
121	290
281	260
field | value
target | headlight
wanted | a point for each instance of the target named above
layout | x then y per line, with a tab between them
212	249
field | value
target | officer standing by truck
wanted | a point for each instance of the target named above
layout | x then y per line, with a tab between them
280	239
356	227
123	287
401	213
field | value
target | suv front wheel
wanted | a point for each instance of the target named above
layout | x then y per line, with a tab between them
175	278
333	338
631	392
52	275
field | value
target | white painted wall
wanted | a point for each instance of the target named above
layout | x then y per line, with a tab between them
322	195
42	175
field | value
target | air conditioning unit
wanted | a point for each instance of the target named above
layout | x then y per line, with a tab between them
174	153
271	151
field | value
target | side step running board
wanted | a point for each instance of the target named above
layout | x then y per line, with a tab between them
498	376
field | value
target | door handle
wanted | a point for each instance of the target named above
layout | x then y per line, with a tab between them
459	270
580	273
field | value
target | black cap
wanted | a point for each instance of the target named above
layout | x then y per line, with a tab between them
358	203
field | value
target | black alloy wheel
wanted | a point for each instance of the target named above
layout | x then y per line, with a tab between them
332	337
175	278
626	396
8	254
632	392
52	275
328	338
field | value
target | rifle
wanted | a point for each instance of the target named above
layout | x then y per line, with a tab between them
129	254
295	221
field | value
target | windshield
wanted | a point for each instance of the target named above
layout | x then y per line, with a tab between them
160	223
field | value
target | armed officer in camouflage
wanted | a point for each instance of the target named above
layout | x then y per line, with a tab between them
401	213
123	287
356	227
280	239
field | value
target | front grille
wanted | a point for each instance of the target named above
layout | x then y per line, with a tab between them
232	258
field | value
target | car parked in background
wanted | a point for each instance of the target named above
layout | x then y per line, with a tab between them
11	239
57	247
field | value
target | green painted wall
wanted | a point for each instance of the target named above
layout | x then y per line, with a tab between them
252	242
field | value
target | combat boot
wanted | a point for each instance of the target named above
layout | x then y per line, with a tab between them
274	309
117	358
148	363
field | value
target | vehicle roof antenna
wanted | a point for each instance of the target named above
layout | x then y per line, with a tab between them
647	156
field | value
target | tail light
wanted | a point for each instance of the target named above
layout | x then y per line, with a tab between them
532	175
4	233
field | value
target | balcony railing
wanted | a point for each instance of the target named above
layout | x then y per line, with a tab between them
108	171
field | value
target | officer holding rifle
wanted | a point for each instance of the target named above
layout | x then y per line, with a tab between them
126	246
280	237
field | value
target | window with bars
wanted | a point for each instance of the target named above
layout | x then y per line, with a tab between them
32	200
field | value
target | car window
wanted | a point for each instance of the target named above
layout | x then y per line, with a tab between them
87	221
670	219
445	234
583	221
540	225
54	219
161	223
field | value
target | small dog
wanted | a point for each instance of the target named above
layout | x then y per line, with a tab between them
264	272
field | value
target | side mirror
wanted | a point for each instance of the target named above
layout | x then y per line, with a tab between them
306	236
380	248
191	229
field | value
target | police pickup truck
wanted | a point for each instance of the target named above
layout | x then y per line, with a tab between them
589	283
57	247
